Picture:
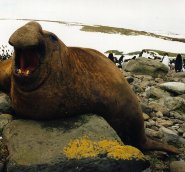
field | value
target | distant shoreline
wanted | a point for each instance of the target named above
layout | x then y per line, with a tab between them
107	29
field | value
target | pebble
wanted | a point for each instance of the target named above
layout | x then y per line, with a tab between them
180	131
145	116
159	114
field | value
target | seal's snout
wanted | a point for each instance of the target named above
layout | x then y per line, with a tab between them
28	35
29	49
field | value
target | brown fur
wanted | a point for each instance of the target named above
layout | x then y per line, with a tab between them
73	81
5	73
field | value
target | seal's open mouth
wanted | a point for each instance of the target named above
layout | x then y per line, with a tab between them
27	60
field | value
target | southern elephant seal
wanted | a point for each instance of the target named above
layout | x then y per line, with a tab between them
50	80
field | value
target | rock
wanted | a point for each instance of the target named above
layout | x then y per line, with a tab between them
153	133
159	80
174	87
145	84
158	106
147	78
175	103
177	166
179	75
130	79
183	127
159	114
167	104
146	66
182	80
146	109
165	123
176	115
74	144
5	119
137	89
151	122
183	96
153	92
145	116
4	103
155	128
180	131
169	135
175	127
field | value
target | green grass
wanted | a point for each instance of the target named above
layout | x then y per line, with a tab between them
128	32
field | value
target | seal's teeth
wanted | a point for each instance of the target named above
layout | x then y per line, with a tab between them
27	72
19	71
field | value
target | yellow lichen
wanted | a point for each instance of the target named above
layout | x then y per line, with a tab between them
81	148
86	148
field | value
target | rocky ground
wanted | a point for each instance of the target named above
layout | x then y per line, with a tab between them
164	114
163	103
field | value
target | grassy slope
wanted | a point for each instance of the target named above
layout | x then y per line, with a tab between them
128	32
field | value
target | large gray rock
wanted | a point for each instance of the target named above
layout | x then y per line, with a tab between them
175	87
146	66
41	146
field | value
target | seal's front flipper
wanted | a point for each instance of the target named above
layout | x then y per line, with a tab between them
5	75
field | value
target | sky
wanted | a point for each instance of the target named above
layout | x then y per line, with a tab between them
149	15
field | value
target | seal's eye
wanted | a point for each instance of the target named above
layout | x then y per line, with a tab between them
53	38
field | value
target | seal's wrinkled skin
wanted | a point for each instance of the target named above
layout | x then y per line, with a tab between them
50	80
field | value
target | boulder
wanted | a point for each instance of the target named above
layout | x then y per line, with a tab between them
146	66
153	92
175	87
83	143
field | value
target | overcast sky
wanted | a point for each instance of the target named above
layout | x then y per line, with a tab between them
164	15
